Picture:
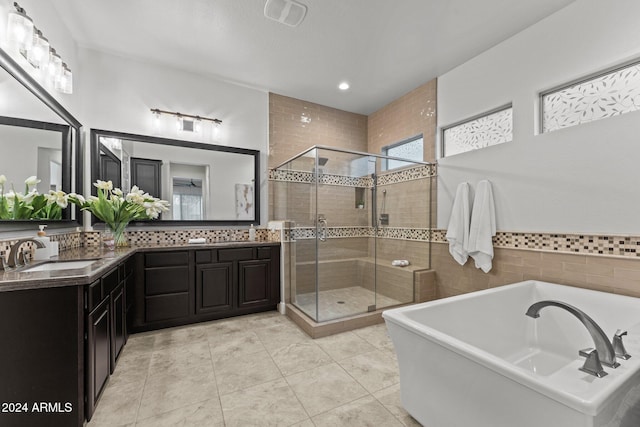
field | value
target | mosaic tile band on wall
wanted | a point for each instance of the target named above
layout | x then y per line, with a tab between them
387	178
399	233
623	246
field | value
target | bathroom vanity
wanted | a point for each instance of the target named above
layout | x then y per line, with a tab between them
63	330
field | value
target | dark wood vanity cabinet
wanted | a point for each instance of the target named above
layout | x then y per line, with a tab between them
41	356
187	286
106	329
98	353
234	281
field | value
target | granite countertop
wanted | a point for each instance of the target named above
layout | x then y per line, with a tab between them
104	260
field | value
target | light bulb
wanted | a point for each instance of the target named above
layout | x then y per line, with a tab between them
20	30
38	56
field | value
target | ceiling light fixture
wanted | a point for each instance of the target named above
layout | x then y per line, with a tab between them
288	12
344	86
24	40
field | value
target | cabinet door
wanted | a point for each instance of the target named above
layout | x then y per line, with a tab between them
98	353
214	287
118	323
254	284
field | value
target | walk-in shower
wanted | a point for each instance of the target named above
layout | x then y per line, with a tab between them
350	217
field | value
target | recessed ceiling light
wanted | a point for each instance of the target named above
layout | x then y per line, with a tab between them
343	86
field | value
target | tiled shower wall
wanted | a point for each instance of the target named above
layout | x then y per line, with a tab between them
296	125
410	115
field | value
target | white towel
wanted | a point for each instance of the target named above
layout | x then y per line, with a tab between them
483	227
458	229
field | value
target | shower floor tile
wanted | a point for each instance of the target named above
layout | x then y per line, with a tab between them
343	302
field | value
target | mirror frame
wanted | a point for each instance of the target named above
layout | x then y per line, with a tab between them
32	85
95	175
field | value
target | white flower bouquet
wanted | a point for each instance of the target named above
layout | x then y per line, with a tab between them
31	204
118	210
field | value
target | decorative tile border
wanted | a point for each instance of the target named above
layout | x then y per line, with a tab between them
385	178
409	174
399	233
626	246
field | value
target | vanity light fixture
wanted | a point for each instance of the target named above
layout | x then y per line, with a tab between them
186	123
25	40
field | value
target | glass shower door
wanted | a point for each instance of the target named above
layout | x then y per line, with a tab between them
345	268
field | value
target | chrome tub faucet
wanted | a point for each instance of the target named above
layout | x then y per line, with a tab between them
603	354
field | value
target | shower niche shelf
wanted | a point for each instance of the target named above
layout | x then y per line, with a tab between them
360	198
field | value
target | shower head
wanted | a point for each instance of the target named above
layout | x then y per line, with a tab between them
322	161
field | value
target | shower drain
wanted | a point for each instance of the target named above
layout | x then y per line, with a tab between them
340	302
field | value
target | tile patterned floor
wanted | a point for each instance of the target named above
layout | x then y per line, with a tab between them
343	302
257	370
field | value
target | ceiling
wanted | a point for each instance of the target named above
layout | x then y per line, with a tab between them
383	48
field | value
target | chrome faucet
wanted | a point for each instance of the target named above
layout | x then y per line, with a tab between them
604	350
12	262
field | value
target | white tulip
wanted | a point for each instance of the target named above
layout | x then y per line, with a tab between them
32	180
3	180
104	185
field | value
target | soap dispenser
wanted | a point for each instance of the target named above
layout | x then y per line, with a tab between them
45	251
252	233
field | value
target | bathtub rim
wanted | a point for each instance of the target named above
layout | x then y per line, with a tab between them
616	380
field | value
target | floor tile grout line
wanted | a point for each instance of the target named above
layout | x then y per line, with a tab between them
215	379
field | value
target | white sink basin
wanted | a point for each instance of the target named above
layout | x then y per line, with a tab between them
60	265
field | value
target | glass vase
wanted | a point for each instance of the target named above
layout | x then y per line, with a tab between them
119	236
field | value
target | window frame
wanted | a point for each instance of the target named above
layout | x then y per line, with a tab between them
385	150
577	81
486	113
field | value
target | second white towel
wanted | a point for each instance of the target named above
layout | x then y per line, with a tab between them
483	227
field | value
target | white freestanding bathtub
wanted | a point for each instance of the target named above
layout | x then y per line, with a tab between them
477	360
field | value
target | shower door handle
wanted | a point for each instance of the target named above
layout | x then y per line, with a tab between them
322	228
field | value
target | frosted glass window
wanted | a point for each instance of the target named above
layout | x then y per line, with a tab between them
611	94
489	129
411	149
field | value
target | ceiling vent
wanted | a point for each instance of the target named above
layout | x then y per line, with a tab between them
287	12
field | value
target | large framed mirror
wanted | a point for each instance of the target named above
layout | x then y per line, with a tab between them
205	184
38	137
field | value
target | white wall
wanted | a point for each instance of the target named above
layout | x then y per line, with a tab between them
579	179
118	93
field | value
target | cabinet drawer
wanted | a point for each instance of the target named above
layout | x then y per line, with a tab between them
235	254
264	253
94	295
165	259
166	307
109	282
129	266
206	257
166	280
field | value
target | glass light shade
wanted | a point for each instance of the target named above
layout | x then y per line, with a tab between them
55	67
38	55
69	84
156	123
66	80
19	31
